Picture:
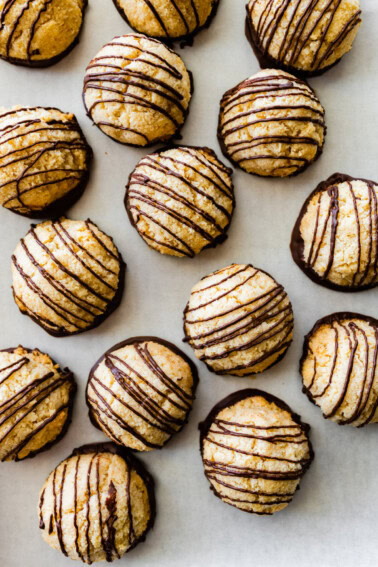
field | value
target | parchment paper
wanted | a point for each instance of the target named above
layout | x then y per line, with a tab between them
332	520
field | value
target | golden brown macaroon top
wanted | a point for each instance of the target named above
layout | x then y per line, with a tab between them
67	275
137	90
39	32
255	451
173	19
304	36
36	398
181	200
271	124
239	320
339	368
334	240
141	392
96	505
44	160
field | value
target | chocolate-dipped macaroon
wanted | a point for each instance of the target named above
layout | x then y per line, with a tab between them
168	19
334	240
68	276
271	124
39	33
44	161
97	505
339	368
304	37
181	200
255	451
239	321
140	392
36	398
137	90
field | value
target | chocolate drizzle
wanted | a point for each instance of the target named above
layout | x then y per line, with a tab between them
330	205
137	399
110	503
259	483
300	24
13	24
241	112
351	384
258	324
19	421
168	193
39	139
128	86
189	18
72	290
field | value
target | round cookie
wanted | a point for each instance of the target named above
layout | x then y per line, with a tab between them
137	90
68	276
44	161
239	321
305	37
36	398
339	368
271	125
168	19
39	33
255	451
140	392
181	200
334	239
97	505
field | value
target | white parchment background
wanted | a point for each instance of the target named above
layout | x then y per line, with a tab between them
332	520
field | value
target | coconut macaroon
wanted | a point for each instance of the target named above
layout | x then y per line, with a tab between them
305	37
68	276
36	398
334	240
239	321
137	90
271	124
168	19
141	391
41	32
97	505
181	200
255	451
339	368
44	161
